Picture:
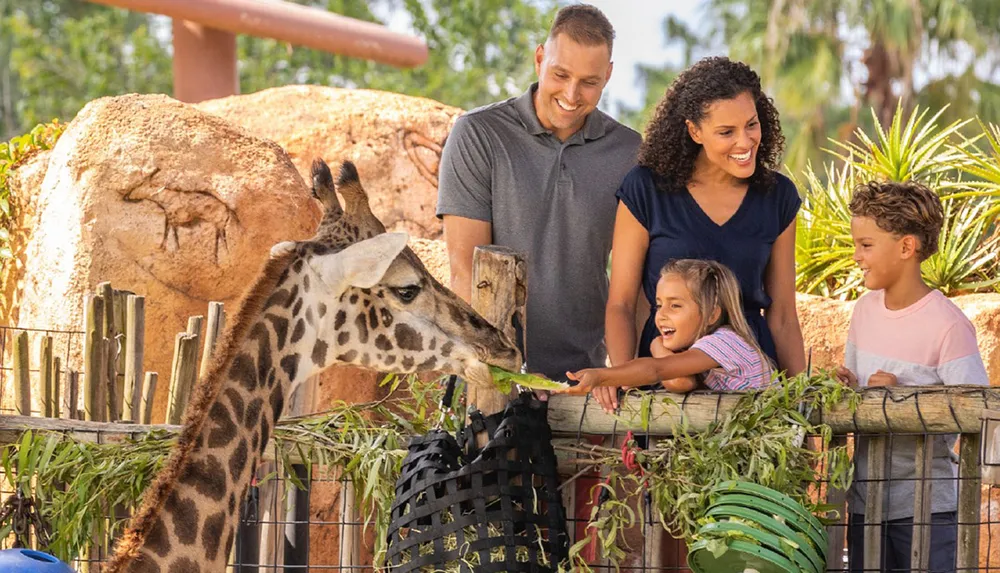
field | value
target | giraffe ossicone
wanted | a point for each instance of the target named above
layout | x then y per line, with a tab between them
353	294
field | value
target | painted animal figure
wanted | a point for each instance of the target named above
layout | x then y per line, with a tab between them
354	294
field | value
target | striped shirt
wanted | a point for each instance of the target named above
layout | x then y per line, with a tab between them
740	364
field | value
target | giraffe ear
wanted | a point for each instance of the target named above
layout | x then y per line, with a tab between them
362	264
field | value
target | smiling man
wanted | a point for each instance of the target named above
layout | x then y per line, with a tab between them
538	174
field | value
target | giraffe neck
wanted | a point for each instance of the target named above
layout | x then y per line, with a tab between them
189	516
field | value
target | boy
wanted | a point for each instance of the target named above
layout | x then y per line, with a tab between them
905	333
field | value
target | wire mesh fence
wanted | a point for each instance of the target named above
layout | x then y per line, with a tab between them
325	527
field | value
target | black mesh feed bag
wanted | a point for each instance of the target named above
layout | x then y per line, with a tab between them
460	509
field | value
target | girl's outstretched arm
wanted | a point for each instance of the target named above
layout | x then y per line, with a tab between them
641	371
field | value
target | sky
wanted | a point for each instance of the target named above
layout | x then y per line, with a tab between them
639	39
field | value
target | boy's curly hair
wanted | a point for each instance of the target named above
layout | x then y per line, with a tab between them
667	148
902	209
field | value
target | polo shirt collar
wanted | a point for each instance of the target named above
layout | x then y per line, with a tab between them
593	127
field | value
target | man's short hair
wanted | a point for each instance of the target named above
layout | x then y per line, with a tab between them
585	25
902	209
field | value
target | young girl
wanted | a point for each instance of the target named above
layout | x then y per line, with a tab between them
701	332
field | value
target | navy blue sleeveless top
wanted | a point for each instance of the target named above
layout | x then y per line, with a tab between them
679	229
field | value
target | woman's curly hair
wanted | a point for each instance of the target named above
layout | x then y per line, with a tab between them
667	148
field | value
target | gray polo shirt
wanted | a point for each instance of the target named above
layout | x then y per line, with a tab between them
555	202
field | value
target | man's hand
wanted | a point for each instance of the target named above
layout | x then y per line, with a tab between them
882	379
607	397
846	377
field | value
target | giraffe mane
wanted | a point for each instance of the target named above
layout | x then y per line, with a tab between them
204	395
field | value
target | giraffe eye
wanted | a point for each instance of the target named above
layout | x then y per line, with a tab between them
406	293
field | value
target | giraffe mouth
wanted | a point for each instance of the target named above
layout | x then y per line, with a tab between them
478	373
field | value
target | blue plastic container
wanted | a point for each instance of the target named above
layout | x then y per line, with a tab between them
29	561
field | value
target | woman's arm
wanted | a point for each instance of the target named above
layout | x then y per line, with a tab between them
641	371
628	254
782	318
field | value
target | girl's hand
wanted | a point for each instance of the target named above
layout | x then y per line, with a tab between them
658	350
587	380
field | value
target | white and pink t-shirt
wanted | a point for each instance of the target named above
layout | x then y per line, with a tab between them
741	366
929	343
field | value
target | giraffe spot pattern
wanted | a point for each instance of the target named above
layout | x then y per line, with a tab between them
265	434
362	325
428	364
253	414
184	513
390	360
224	430
298	331
407	362
271	378
382	342
254	441
446	348
184	565
373	318
143	563
229	542
280	325
242	371
386	317
207	476
232	504
433	344
343	338
158	540
353	299
277	402
322	310
457	315
292	296
339	319
238	461
236	401
305	283
278	297
212	534
407	338
290	364
348	356
297	266
310	319
319	353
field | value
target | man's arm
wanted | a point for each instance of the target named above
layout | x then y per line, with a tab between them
462	236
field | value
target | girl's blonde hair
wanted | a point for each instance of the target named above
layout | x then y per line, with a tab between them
713	285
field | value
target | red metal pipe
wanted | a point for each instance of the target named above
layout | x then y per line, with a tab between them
293	23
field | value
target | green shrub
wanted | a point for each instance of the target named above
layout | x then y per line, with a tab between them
914	148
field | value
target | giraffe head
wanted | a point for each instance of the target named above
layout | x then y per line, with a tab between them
371	302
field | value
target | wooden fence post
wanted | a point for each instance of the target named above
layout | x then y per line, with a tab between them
93	356
45	374
182	376
499	294
213	331
969	502
22	374
55	388
148	392
135	339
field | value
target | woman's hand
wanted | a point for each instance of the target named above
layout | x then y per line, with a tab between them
846	377
882	378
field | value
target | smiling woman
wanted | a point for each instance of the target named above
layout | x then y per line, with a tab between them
707	187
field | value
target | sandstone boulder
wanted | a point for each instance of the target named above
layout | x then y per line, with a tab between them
163	200
395	140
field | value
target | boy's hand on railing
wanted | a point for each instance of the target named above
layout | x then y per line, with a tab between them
882	379
847	377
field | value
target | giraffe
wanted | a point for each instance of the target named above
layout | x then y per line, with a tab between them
353	294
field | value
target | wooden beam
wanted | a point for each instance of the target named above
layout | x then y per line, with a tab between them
955	409
292	23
